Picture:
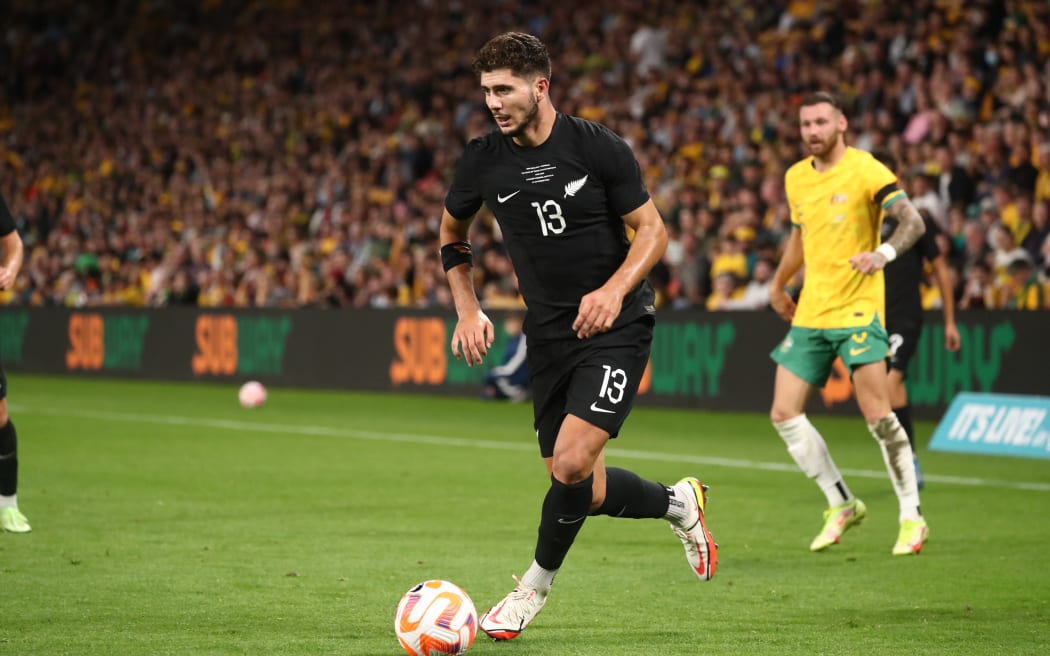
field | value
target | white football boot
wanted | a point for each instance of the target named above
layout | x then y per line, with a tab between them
507	619
700	548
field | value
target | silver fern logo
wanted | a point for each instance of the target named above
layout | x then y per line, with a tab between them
574	186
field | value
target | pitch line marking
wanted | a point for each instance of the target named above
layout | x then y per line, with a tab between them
439	440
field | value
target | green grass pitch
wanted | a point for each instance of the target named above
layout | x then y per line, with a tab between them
169	520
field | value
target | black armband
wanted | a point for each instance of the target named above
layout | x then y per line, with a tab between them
456	253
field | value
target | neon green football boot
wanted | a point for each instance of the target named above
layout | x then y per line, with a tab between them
837	520
13	521
911	538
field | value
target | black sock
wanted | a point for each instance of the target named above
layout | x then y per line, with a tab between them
904	417
8	459
564	510
629	495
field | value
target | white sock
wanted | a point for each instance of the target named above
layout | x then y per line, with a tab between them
810	451
538	578
9	502
900	463
677	507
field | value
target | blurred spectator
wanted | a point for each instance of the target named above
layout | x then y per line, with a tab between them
1004	250
978	290
975	246
1022	289
1037	232
686	285
510	380
731	257
1042	183
954	185
725	292
755	295
925	197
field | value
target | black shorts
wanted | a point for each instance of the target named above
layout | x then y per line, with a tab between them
595	379
904	340
3	382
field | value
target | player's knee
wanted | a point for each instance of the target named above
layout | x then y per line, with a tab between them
779	414
572	466
887	428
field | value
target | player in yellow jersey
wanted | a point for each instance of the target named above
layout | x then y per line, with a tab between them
837	197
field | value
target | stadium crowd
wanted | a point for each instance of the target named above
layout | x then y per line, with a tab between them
286	153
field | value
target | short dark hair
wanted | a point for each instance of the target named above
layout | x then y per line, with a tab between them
523	54
817	97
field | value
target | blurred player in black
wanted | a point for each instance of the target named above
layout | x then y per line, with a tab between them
564	191
904	309
11	519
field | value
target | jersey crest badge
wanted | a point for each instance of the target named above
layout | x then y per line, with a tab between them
574	186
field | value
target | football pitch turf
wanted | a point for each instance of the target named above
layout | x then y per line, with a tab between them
169	520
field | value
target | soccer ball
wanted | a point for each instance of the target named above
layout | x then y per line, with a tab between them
252	394
436	617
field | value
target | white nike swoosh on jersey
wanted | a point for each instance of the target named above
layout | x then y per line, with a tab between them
504	199
595	408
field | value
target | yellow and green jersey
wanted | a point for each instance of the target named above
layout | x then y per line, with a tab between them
839	212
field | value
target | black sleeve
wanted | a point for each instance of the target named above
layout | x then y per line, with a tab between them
7	222
620	173
464	197
927	245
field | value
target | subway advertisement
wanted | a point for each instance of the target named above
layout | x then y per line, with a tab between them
699	359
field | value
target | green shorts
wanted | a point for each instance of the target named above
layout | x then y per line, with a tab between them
810	352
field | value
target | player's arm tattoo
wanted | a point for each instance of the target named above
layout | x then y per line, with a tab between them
909	225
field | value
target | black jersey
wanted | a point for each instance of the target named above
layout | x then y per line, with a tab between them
903	275
7	222
559	206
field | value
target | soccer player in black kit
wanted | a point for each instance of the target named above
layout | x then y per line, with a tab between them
563	191
904	308
11	519
904	311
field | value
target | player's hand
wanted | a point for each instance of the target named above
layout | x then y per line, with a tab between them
7	278
868	263
472	338
598	311
952	341
781	303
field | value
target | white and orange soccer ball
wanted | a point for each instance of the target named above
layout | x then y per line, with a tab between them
436	617
252	394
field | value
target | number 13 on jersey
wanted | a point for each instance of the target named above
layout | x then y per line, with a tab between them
551	219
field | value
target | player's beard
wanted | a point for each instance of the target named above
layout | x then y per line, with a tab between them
823	147
528	120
